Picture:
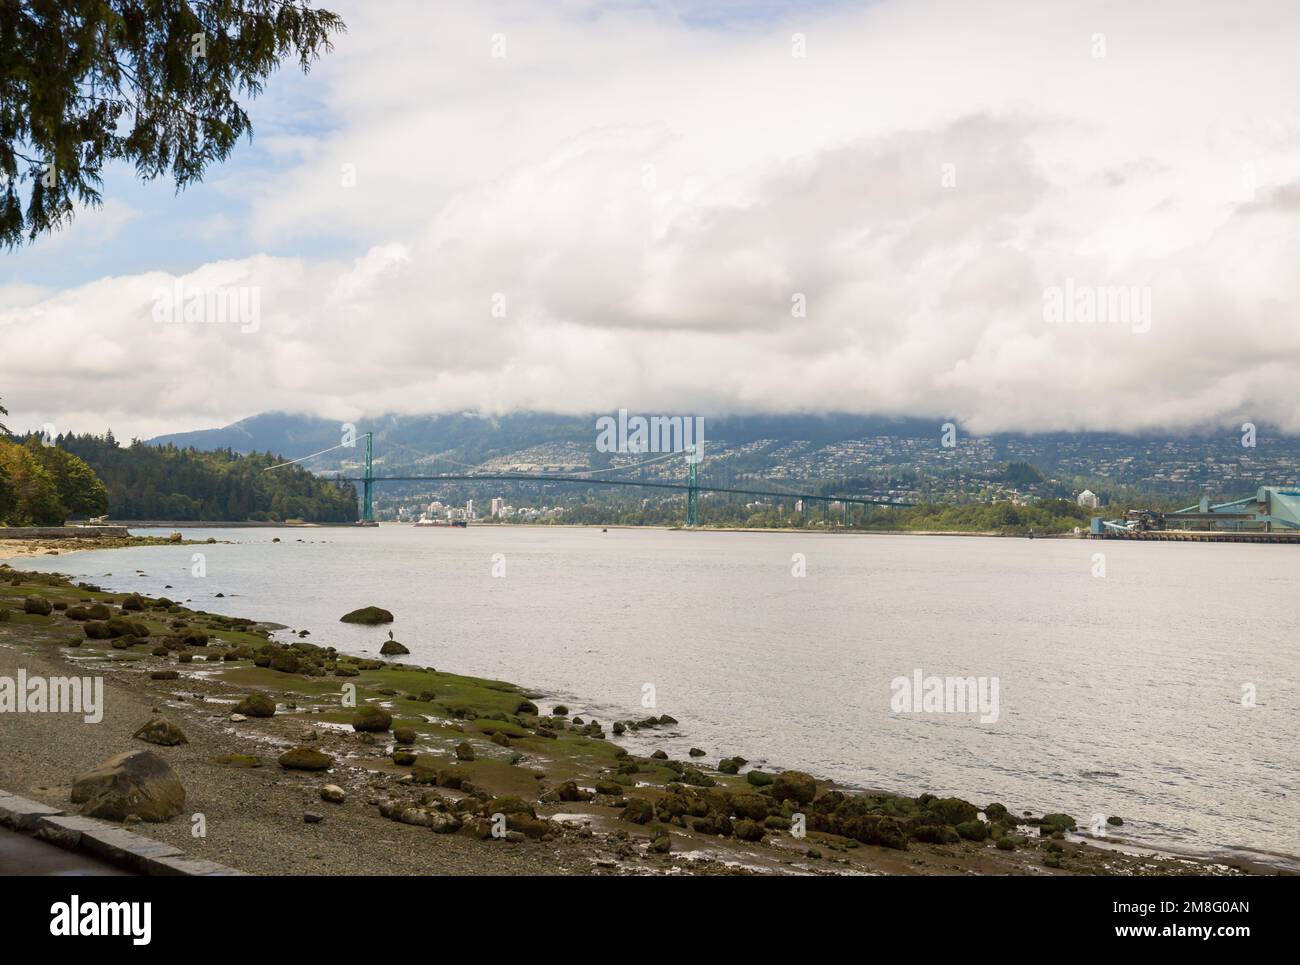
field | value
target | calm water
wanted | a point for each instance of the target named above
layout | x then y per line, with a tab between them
1117	695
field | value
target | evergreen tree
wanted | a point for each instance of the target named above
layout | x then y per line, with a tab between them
149	82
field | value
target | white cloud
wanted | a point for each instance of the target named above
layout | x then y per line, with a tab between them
648	196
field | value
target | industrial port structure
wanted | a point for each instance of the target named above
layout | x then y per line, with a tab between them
1272	515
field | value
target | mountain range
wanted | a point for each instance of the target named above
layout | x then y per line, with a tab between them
916	457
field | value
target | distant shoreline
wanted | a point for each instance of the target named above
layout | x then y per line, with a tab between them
200	524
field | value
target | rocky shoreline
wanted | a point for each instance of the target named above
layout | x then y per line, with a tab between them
293	758
29	546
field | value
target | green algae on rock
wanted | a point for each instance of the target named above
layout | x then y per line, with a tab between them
368	615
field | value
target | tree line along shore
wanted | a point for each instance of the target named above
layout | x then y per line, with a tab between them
46	481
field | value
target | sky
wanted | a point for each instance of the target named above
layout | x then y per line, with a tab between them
1025	216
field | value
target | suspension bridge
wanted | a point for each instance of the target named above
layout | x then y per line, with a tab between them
692	487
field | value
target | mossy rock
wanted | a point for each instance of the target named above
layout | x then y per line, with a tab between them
368	615
998	814
758	778
404	735
120	626
795	786
752	806
37	605
509	804
1058	822
465	751
256	705
569	792
934	834
372	719
99	630
951	810
392	648
78	613
306	759
286	661
452	778
973	830
696	778
638	811
1115	822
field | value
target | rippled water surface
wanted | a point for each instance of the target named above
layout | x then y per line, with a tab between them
1118	695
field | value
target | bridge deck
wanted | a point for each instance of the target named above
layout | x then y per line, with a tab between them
680	487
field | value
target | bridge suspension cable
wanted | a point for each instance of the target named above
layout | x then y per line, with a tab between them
281	465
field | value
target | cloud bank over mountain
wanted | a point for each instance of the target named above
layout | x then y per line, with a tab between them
581	207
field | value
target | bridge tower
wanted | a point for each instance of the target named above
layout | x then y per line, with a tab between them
693	488
367	499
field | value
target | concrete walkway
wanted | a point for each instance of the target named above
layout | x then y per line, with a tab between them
21	854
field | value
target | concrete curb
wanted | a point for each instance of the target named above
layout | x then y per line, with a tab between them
106	841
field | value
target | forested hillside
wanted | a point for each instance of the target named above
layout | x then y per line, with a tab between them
169	483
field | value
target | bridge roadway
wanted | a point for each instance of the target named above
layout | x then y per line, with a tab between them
680	487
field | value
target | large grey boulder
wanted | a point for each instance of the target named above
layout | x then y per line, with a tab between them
136	783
